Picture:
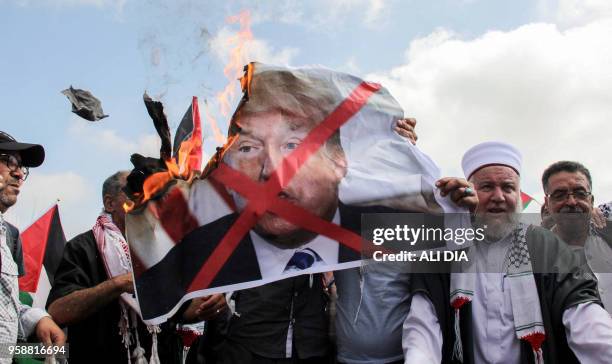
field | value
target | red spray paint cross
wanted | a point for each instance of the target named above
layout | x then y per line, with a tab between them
263	197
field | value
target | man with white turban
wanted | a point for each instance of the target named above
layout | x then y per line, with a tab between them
519	299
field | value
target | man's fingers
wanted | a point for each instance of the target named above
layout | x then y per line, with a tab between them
407	134
44	329
46	338
213	311
408	121
443	181
210	303
454	186
207	302
411	121
216	308
58	337
459	193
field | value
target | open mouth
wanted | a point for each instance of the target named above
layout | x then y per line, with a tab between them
496	210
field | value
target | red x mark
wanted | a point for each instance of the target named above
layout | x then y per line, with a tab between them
263	197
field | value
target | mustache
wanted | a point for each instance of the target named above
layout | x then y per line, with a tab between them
572	209
10	180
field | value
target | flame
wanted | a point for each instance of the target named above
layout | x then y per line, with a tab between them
218	156
217	134
247	78
155	183
128	205
177	169
234	69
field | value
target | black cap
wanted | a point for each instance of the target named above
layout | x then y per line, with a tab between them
32	155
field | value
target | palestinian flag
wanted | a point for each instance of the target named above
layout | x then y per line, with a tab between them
43	244
187	146
526	199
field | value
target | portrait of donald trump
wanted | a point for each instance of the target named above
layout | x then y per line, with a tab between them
310	150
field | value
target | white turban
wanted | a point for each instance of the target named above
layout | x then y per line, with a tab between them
491	153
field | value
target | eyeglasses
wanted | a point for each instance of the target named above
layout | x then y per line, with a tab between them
562	195
13	164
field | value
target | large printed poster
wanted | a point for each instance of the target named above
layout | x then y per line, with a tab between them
309	151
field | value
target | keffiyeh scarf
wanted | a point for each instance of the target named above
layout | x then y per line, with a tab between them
115	254
528	324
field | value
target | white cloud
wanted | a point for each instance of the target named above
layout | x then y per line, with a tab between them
318	14
352	66
546	90
109	140
375	11
77	199
568	13
254	49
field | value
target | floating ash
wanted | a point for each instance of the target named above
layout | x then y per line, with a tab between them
85	104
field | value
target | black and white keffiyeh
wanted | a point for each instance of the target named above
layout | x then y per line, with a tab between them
528	323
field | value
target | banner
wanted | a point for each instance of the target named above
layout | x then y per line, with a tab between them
309	151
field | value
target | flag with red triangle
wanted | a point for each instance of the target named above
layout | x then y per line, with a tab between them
526	199
187	146
43	245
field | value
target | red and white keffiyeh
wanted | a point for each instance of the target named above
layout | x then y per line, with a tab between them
115	254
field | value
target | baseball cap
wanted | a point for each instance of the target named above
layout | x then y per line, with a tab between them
32	155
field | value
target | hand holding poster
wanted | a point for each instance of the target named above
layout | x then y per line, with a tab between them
309	151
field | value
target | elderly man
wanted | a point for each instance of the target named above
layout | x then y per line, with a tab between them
92	293
518	299
569	200
18	320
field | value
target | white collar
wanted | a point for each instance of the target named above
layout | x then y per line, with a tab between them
273	260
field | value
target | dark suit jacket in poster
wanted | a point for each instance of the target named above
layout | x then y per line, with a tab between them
163	285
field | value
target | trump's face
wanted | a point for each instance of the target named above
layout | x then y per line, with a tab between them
264	140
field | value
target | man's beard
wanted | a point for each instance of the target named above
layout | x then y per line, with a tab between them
498	227
7	199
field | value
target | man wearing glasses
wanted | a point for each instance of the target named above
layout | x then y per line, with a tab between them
569	200
17	320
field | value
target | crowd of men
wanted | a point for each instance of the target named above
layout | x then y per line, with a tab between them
527	294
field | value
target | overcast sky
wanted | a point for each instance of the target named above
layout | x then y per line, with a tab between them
536	74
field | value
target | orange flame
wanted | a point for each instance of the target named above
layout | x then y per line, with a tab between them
217	134
247	78
177	169
233	70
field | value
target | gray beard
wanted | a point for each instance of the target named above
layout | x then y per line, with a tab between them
496	230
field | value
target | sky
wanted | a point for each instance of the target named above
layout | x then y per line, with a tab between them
534	73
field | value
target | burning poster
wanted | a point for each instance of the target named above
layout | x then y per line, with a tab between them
309	150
